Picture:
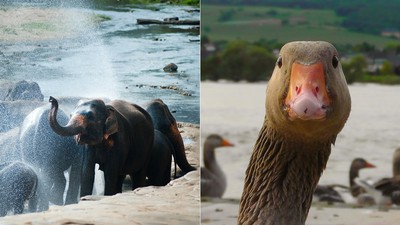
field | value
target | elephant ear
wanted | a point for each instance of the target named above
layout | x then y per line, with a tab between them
111	124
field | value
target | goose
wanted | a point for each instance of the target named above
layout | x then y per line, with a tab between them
329	193
356	165
213	180
307	105
387	190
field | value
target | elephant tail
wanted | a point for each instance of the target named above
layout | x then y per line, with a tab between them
180	155
166	123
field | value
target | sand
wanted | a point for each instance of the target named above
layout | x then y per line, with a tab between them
236	111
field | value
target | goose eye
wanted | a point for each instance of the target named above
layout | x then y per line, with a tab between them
335	61
279	62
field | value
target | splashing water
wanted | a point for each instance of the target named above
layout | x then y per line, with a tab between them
70	53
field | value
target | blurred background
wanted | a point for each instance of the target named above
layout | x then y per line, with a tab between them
366	33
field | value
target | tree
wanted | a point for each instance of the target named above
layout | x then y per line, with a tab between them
387	68
355	68
239	61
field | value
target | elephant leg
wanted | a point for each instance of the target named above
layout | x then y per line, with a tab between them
58	188
138	179
74	181
3	211
112	182
33	202
42	196
19	207
167	173
88	171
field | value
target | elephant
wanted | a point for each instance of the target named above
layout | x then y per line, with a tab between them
18	183
118	136
159	170
51	155
165	123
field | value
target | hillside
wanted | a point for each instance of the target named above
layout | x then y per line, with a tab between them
368	16
253	23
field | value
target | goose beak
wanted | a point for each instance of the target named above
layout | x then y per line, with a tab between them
307	97
369	165
226	143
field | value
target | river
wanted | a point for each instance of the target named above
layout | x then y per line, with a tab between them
68	52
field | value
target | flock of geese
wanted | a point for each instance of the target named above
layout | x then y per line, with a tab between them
307	105
383	192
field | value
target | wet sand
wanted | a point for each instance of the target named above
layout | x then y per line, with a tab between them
236	111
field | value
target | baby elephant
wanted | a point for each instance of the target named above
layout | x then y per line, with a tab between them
18	183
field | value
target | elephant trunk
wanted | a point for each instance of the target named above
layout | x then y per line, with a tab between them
70	129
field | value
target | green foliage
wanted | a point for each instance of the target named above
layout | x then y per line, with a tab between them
368	16
387	68
381	79
270	45
363	47
239	61
226	15
282	24
355	68
393	46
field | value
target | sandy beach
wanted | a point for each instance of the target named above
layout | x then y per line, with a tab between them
236	111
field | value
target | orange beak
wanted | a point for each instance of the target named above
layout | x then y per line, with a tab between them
370	165
226	143
307	97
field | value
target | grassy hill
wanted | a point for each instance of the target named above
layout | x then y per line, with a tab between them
253	23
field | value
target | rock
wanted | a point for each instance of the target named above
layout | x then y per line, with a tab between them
12	113
21	90
171	68
9	146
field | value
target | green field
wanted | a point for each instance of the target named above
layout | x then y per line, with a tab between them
253	23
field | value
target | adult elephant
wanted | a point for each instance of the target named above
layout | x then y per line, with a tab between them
51	155
18	183
165	123
118	136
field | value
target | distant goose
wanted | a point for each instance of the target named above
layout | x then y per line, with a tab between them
356	165
213	180
387	190
329	194
307	105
